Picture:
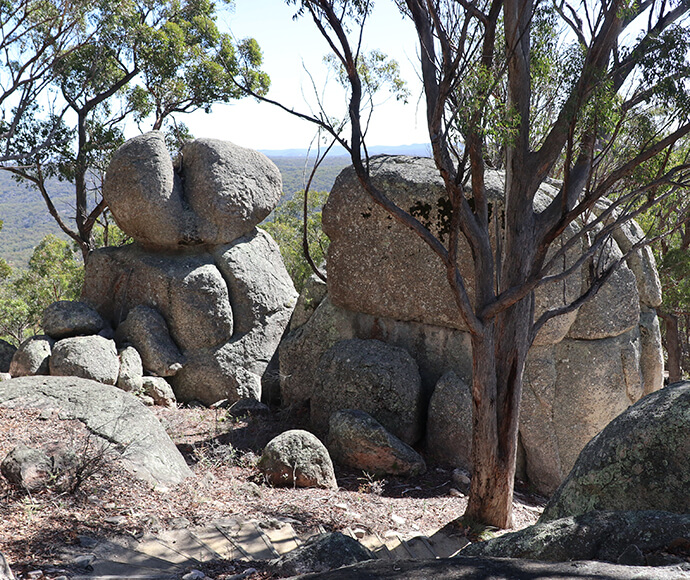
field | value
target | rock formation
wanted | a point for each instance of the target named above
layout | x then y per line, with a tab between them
384	283
202	294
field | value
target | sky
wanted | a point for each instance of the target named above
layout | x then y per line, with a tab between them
290	47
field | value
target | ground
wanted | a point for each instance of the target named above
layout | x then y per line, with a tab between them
222	452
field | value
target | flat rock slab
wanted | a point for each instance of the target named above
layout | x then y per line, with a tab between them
110	414
496	569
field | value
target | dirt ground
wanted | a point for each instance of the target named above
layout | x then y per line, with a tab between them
222	452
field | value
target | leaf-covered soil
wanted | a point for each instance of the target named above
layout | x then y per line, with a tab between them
36	530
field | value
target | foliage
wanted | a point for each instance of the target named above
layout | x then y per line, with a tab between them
130	59
55	273
286	226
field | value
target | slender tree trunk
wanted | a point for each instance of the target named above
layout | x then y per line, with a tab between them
498	363
673	347
86	240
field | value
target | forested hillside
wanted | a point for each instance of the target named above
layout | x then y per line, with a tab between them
26	220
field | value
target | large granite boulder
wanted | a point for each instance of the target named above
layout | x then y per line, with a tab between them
218	193
67	318
384	283
297	458
231	189
144	194
32	357
371	376
358	440
116	418
621	537
640	461
89	357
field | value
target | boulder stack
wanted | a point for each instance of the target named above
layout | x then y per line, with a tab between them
384	283
202	294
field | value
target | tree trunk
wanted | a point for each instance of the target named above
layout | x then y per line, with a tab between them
498	363
673	347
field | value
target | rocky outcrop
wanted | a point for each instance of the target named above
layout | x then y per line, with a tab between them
216	283
382	380
639	538
639	461
384	283
469	568
297	458
118	419
358	440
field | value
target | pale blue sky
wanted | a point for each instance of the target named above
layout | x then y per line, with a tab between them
286	45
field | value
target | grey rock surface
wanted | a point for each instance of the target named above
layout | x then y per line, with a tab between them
449	421
145	195
27	468
7	351
185	287
89	357
231	189
600	536
651	351
380	379
297	458
147	330
160	391
258	282
639	461
32	357
111	414
469	568
358	440
131	374
313	293
615	308
67	318
321	553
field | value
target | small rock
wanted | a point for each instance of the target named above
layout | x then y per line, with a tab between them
397	520
248	406
34	574
297	458
160	391
115	520
250	488
84	561
87	542
452	492
194	575
180	523
460	477
359	533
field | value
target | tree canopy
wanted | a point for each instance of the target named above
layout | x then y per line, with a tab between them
117	61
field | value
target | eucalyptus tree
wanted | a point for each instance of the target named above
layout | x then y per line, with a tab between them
132	59
617	62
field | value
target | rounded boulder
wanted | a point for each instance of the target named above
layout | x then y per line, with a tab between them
297	458
87	357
